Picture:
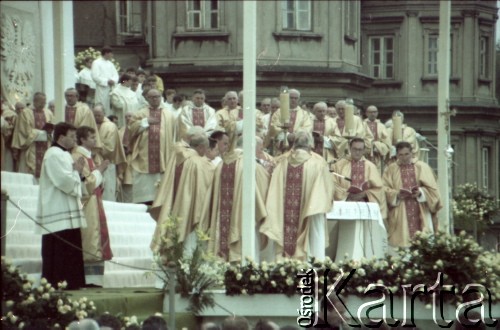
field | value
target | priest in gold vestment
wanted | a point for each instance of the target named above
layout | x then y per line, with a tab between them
112	150
300	193
165	197
152	135
341	137
412	196
363	174
95	237
192	199
299	120
32	136
227	207
382	141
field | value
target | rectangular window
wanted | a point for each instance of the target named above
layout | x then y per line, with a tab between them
485	159
432	55
296	15
382	57
202	14
484	57
129	17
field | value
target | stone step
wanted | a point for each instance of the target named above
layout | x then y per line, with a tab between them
17	178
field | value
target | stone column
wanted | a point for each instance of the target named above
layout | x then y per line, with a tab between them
64	57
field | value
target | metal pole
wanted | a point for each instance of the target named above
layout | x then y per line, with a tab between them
172	279
443	113
249	85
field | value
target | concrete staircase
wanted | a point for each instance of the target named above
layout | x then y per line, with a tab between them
130	228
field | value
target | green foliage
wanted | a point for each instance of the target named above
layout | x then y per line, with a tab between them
94	54
459	258
196	274
41	307
472	207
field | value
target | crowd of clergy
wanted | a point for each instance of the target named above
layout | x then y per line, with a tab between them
184	159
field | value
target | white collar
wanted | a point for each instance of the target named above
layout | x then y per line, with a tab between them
84	151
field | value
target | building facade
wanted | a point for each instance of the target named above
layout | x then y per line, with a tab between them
375	52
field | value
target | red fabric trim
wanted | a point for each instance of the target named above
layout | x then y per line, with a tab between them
409	179
357	172
103	225
226	206
198	117
319	127
70	115
154	142
293	118
293	196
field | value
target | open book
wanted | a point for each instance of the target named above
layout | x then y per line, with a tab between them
354	189
408	192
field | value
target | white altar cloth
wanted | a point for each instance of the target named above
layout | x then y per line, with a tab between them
362	233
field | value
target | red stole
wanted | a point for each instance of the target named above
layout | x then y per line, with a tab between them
70	114
40	146
319	127
228	174
357	172
409	180
293	197
340	124
293	118
374	128
154	142
103	226
198	117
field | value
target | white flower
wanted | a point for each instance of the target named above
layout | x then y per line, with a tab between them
273	284
46	296
9	303
239	276
361	272
13	319
21	325
244	292
12	269
43	281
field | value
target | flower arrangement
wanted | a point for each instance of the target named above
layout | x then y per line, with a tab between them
196	273
459	258
94	54
41	307
473	208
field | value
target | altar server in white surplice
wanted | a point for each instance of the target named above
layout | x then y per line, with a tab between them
105	77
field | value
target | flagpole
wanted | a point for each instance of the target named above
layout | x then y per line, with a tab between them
248	236
444	147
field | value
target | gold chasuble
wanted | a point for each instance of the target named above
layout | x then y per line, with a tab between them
95	237
360	172
300	188
165	196
151	150
193	195
341	138
227	212
410	215
381	142
26	131
81	115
